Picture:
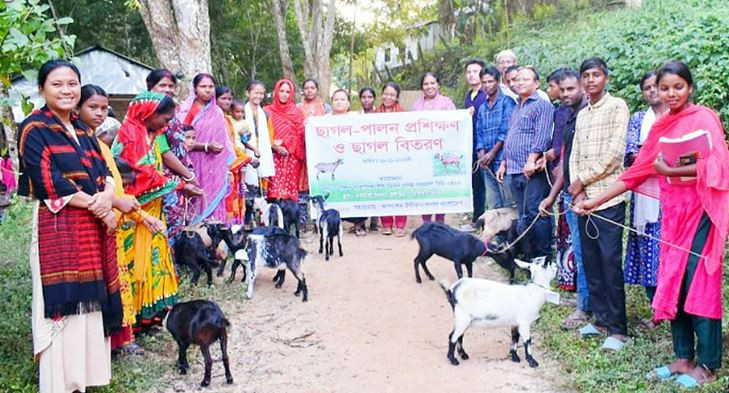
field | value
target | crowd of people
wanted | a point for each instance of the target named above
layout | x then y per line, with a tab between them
111	196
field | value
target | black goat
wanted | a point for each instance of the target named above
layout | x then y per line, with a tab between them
276	252
199	322
237	242
292	215
440	239
330	224
196	247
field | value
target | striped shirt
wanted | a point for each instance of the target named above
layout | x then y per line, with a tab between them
599	146
530	131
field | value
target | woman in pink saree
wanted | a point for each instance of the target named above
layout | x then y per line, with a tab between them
212	150
695	216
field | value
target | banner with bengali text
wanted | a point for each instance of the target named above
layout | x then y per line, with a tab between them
404	163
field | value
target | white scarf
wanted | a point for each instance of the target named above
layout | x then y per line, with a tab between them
265	168
646	209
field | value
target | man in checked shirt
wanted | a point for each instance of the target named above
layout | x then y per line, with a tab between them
596	162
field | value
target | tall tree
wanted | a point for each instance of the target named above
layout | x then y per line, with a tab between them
279	11
317	32
447	19
180	33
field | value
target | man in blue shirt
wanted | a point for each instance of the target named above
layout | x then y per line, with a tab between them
492	125
530	130
475	97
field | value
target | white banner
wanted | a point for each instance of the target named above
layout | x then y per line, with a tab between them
383	164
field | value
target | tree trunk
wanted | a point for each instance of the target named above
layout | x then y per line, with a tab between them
279	17
317	33
180	34
446	19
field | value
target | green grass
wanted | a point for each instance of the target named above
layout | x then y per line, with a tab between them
19	373
584	367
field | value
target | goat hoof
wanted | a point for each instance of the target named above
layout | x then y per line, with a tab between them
464	356
341	254
418	280
514	357
431	278
454	361
229	380
532	363
277	285
205	383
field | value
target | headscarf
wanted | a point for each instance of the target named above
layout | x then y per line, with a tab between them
288	121
209	124
134	144
109	125
712	173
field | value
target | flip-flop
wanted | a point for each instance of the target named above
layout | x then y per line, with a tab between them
573	322
662	373
687	382
386	231
400	232
612	344
589	330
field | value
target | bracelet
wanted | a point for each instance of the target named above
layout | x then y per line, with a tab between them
191	178
206	147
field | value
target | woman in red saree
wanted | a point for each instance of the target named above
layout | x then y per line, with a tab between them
286	122
390	97
694	217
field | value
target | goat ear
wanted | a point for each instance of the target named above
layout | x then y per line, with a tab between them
326	196
541	261
522	264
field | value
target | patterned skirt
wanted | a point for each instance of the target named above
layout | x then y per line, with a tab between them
641	254
567	270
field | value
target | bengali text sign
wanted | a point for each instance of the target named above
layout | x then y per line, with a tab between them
382	164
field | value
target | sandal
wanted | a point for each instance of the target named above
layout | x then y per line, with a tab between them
687	382
613	344
575	320
590	330
648	324
400	232
662	373
386	231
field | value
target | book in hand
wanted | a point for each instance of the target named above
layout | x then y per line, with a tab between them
685	150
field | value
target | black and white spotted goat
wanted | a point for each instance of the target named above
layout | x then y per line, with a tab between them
276	251
329	224
486	303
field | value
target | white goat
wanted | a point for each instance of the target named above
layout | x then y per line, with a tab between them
488	303
262	206
496	220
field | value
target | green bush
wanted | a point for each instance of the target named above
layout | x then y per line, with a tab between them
631	41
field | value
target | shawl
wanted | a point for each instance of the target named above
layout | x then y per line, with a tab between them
395	108
288	122
438	103
134	145
710	196
314	107
646	209
52	164
209	124
262	139
76	257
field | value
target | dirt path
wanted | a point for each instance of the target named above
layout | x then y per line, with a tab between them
368	327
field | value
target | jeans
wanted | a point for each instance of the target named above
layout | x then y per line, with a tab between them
528	193
602	253
479	193
583	293
497	194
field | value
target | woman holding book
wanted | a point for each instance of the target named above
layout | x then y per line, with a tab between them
641	255
695	217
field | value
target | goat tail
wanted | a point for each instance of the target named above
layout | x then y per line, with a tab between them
449	294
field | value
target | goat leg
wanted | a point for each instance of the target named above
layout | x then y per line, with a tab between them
427	272
532	362
182	356
514	344
462	352
281	277
459	271
469	268
205	348
339	244
417	271
224	352
209	273
451	349
233	268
